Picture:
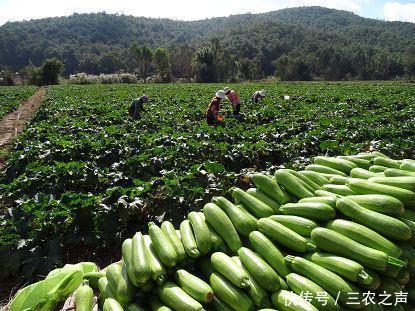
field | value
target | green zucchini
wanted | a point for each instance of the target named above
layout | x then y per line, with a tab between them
405	182
300	285
188	239
93	278
408	166
407	197
259	269
334	242
194	287
318	178
409	253
343	267
233	296
141	264
148	286
380	203
288	301
392	172
329	281
365	236
292	184
127	257
219	305
134	307
218	244
269	251
305	181
176	298
324	193
229	269
389	286
265	198
158	272
375	284
338	180
312	210
377	168
408	214
361	173
342	190
329	200
84	297
338	164
201	232
105	289
387	162
256	207
162	245
302	226
386	225
174	239
362	163
257	293
119	282
284	235
112	305
270	187
244	223
367	155
222	225
156	305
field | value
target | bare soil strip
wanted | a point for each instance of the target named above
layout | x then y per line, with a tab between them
15	122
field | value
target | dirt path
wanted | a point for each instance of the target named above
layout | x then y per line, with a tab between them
14	122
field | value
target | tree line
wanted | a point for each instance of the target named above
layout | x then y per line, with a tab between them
293	44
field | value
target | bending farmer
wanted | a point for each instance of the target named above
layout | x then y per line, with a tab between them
137	107
212	112
258	95
234	99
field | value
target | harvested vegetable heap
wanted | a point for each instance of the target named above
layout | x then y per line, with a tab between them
318	239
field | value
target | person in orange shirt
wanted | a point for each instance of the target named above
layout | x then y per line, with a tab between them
212	112
234	99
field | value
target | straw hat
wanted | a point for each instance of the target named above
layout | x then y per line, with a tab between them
226	89
262	93
220	94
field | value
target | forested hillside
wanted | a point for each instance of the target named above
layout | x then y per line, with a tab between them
296	44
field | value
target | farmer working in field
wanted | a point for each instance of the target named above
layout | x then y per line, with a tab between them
234	99
137	107
212	112
258	96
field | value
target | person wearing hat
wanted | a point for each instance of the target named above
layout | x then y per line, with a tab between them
212	112
137	107
258	95
234	99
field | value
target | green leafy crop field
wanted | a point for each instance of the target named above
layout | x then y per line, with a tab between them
12	96
84	176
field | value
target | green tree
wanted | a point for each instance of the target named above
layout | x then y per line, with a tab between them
162	62
142	58
109	62
409	59
181	61
51	70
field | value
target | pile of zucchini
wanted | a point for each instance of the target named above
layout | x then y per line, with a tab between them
316	239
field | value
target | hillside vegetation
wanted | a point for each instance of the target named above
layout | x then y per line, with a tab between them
297	43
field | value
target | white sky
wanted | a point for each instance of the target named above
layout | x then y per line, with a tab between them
16	10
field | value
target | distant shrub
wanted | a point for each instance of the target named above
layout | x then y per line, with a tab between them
83	78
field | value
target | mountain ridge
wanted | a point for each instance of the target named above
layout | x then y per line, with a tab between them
72	37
